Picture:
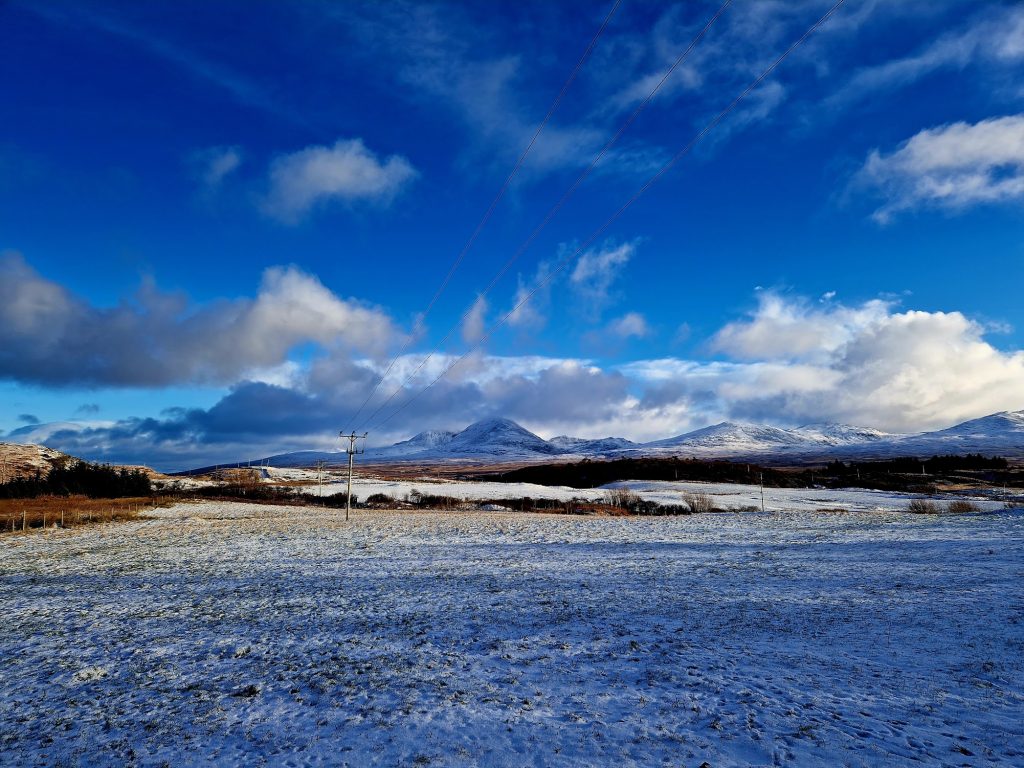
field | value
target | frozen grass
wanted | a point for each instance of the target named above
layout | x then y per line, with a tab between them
253	635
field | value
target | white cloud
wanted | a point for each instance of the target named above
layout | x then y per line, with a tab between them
346	172
474	324
595	272
630	325
868	365
50	336
950	167
530	303
794	329
996	38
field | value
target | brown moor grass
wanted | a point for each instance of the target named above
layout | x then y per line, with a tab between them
67	511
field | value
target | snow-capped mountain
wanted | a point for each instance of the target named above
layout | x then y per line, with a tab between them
498	438
431	440
501	440
999	433
727	438
843	434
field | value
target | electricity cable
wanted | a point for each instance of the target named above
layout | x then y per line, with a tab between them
494	203
563	263
556	207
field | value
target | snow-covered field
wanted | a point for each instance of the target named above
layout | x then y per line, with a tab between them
728	496
253	635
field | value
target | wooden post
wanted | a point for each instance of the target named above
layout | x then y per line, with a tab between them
24	521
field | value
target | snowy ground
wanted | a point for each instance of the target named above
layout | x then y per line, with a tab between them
253	635
729	496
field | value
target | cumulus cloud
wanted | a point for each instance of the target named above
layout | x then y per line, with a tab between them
951	167
792	360
50	336
793	328
346	171
870	365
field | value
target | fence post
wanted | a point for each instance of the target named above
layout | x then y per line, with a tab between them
24	521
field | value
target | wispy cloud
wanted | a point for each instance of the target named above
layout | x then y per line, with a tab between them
951	167
994	37
595	272
532	299
242	89
475	322
215	164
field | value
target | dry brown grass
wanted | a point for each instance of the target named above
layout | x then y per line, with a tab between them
962	506
923	507
17	515
698	503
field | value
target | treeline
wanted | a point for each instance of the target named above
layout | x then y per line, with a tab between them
80	478
904	473
267	494
616	501
971	462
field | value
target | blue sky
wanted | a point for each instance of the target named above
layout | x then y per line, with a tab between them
221	222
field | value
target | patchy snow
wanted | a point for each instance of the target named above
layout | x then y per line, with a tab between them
252	635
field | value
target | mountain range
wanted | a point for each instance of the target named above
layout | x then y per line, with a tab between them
498	440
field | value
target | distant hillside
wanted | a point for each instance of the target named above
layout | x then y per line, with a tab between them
26	461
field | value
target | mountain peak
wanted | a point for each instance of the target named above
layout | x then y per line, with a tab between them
500	437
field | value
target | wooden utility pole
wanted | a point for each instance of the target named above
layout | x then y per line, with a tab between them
352	450
320	464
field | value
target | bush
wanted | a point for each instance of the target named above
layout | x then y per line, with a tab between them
922	507
961	506
623	498
380	499
698	503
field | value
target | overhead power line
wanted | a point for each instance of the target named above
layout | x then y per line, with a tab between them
564	262
558	205
494	203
